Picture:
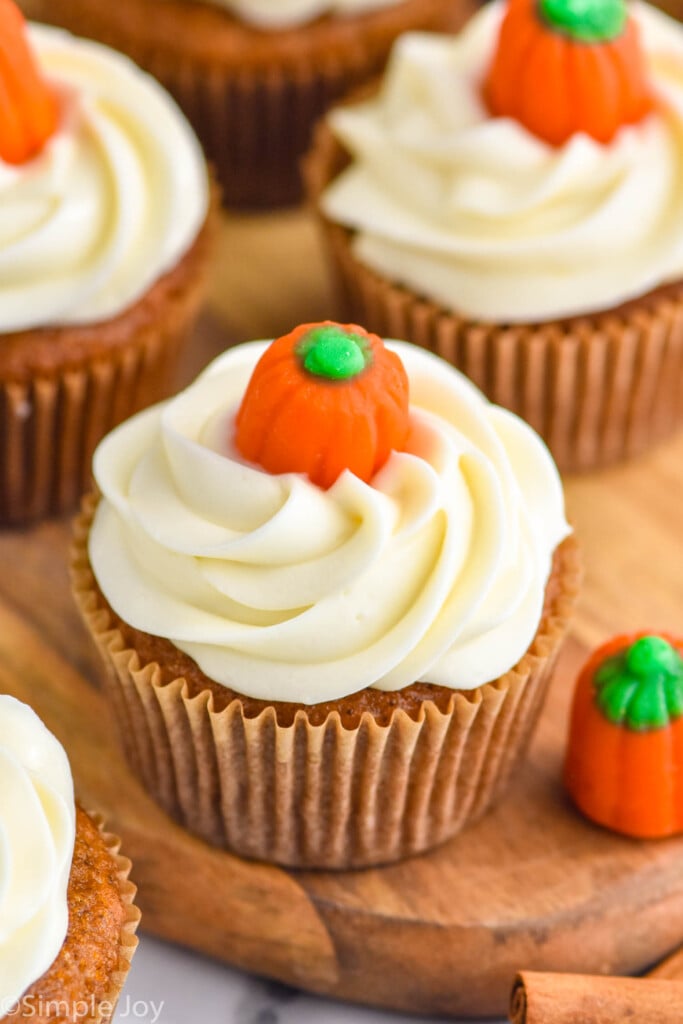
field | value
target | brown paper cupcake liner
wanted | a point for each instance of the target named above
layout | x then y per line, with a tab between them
63	389
57	995
252	96
598	388
322	795
128	939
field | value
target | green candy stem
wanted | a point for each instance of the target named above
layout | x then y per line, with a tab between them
642	687
586	21
332	352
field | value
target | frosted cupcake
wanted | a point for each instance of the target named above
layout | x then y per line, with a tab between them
510	198
254	75
329	581
104	207
66	905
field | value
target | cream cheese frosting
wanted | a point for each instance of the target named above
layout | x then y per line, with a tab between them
487	220
113	201
274	14
435	571
37	833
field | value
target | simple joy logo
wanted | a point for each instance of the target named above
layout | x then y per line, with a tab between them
142	1011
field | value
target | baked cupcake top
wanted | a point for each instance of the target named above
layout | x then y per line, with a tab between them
274	14
431	568
112	200
37	834
494	217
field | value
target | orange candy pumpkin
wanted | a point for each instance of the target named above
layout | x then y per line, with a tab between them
325	398
624	765
568	66
28	109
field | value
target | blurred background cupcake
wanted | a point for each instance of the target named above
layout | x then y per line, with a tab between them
104	236
511	198
66	905
674	8
253	75
329	612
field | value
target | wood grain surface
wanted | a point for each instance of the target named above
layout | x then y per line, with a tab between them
531	886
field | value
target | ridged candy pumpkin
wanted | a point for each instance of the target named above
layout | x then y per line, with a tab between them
568	66
28	109
624	765
324	398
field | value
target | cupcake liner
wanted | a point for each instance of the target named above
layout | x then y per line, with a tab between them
252	96
325	795
63	389
598	388
128	939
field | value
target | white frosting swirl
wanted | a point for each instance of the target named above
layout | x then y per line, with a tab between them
478	214
115	198
274	14
37	831
284	591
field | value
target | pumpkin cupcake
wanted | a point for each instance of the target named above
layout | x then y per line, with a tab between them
510	199
66	905
329	581
104	210
252	75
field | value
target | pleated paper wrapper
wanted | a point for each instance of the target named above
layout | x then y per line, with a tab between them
63	389
598	389
252	96
327	796
128	940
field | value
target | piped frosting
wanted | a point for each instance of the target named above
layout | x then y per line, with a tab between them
112	201
37	832
480	215
434	570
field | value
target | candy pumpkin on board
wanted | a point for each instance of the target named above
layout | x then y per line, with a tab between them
568	66
624	765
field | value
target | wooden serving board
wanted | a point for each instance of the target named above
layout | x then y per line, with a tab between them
531	886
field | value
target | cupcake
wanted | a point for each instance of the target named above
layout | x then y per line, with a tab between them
328	581
66	905
254	75
104	225
520	212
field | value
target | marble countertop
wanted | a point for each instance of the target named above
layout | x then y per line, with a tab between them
168	985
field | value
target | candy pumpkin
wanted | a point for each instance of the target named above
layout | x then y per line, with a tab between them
28	109
325	398
624	766
568	66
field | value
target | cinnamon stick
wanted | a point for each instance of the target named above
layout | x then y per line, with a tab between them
544	998
671	968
